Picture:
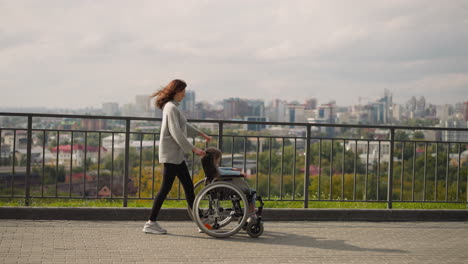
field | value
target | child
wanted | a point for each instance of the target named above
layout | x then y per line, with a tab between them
213	172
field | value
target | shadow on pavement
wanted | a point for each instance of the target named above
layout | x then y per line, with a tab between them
280	238
290	239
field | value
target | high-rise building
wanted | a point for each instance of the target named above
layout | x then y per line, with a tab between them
276	110
295	113
255	127
236	108
387	103
143	105
421	104
465	112
311	103
444	112
411	104
256	108
325	114
94	124
455	136
233	108
111	109
188	104
397	112
377	113
127	110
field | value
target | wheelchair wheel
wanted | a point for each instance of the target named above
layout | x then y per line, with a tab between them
222	209
196	188
255	229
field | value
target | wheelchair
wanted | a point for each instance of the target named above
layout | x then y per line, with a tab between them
221	207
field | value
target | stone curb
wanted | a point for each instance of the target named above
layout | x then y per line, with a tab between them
180	214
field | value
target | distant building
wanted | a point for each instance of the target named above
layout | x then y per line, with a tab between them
188	104
444	112
143	106
94	124
397	112
465	111
373	146
235	108
276	110
19	139
128	110
420	110
256	108
375	113
411	104
295	113
111	109
255	127
77	157
311	104
454	136
325	114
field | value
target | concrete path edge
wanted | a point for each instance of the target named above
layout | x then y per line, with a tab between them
180	214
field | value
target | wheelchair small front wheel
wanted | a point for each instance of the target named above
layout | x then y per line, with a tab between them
255	229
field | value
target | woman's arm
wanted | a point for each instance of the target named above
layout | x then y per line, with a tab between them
176	132
193	132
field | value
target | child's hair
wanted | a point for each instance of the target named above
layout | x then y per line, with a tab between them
208	163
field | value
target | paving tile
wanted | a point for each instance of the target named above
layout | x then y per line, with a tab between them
28	241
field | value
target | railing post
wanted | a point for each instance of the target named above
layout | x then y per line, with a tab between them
126	162
28	163
220	136
306	169
390	170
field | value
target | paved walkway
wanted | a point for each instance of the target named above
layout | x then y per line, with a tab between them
26	241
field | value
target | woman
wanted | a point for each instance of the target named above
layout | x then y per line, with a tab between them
173	143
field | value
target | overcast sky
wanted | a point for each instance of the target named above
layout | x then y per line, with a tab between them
78	54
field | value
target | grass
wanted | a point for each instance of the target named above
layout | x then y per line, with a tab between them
48	202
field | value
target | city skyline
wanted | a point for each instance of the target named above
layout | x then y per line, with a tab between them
64	55
138	97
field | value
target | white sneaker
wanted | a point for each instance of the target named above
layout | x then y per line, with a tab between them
252	217
154	228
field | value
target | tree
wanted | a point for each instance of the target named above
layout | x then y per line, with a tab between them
418	135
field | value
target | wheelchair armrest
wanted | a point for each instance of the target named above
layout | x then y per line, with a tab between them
231	176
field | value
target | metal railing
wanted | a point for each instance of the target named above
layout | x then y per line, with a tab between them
314	166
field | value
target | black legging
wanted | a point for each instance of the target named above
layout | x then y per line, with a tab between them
169	174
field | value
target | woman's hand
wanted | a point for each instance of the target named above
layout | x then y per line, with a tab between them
199	152
206	137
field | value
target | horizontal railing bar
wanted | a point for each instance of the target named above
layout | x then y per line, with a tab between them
269	200
246	136
241	136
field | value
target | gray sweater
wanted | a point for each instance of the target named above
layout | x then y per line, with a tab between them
173	140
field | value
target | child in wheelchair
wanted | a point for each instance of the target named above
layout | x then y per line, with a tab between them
213	172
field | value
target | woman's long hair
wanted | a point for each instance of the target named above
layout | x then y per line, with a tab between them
208	163
167	93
